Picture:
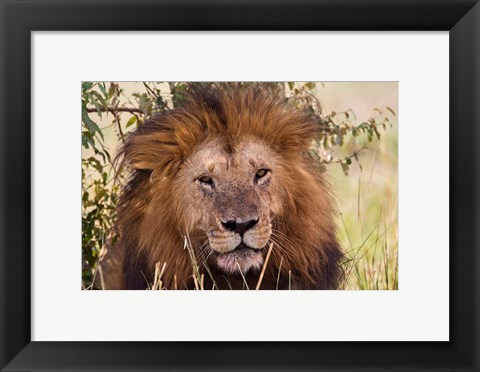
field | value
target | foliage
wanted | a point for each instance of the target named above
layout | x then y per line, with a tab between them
340	142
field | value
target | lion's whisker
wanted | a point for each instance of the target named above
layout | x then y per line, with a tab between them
283	235
281	249
204	248
280	240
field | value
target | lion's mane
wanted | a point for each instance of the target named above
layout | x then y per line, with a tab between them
151	223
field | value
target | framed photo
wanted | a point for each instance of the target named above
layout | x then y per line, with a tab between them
190	61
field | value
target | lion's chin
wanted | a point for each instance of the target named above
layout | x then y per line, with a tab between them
242	258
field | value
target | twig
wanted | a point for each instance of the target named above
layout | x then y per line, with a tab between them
115	114
195	280
116	109
157	283
264	267
279	271
155	278
150	90
146	281
102	282
210	274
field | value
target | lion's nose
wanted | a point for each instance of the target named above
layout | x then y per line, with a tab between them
239	227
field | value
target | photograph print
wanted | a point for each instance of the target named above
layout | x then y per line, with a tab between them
239	185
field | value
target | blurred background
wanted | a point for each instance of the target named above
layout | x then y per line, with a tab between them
368	195
358	151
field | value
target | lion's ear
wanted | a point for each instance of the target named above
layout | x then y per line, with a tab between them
141	164
139	153
150	151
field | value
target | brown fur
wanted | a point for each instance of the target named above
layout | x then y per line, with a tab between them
155	213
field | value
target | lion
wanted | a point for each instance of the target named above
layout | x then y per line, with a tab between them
214	185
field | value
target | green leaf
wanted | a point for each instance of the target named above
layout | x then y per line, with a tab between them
131	121
100	98
86	86
91	125
111	91
88	139
95	163
103	89
97	106
142	101
84	142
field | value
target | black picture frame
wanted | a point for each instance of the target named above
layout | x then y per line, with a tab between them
18	18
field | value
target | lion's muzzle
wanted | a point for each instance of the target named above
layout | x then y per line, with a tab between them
239	228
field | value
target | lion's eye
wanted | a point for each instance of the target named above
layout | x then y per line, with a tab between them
205	179
261	173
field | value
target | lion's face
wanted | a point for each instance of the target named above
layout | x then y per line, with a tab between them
231	196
